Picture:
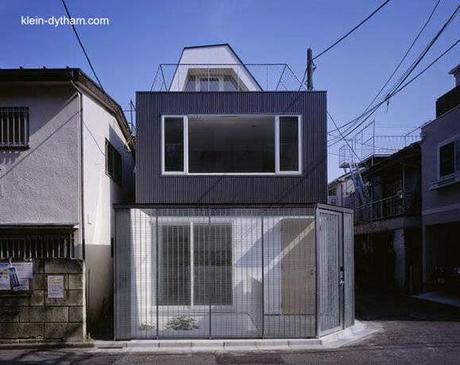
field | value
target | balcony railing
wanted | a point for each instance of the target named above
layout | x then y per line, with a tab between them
226	77
407	204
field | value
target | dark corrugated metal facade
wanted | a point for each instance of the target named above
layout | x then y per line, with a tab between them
152	187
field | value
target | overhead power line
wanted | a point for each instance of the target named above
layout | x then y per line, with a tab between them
351	30
403	86
399	64
344	37
396	87
81	45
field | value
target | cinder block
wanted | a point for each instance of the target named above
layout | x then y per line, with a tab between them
9	314
76	314
22	330
63	266
71	298
57	314
39	266
32	314
64	331
14	300
37	298
75	281
39	282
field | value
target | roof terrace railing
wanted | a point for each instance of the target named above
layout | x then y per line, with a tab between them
226	77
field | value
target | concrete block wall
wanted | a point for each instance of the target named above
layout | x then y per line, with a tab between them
32	316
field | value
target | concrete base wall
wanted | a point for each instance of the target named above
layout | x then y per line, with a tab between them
32	316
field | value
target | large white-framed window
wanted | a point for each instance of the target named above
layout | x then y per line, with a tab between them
231	144
449	158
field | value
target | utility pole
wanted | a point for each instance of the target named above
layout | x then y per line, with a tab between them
309	69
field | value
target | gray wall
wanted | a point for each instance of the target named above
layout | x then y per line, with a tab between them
32	316
41	184
310	187
440	205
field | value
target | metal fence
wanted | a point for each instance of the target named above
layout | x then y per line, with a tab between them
389	207
226	273
226	77
16	245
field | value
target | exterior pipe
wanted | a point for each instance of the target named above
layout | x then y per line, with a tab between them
82	202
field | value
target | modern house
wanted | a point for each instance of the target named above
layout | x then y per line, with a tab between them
66	155
229	236
441	186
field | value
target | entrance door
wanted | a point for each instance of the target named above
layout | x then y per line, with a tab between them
297	266
330	272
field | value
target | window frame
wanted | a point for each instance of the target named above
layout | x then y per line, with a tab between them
190	225
113	176
455	139
25	130
277	172
197	79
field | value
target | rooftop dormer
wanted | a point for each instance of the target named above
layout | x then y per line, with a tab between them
217	68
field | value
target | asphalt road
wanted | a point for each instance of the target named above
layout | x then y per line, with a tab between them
414	332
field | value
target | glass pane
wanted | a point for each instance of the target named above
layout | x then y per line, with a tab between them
175	265
191	84
174	144
231	144
212	259
230	84
289	144
209	84
446	159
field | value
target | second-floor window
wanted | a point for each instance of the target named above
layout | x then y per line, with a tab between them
449	158
231	144
113	163
211	83
14	127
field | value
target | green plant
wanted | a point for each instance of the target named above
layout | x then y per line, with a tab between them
182	323
146	327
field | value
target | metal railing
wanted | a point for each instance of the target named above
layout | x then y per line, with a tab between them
14	127
389	207
31	246
226	77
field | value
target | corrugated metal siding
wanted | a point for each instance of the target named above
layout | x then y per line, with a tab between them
151	187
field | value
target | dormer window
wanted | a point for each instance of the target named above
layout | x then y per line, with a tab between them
212	83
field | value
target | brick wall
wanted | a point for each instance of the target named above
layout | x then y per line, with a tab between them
32	316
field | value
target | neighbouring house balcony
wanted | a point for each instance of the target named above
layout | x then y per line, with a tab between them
215	77
407	204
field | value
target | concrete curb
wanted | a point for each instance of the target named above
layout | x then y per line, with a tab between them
45	345
358	332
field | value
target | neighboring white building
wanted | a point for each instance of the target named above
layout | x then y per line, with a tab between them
66	156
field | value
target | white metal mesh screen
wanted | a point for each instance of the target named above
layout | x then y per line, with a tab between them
215	273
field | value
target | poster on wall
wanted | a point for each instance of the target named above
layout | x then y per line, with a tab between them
4	277
55	286
15	276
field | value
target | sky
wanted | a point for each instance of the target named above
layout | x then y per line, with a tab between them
145	33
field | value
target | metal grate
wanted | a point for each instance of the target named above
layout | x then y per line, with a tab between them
14	127
31	246
225	273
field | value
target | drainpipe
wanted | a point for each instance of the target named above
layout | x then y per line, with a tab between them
82	202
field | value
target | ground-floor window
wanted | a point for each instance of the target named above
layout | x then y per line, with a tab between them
195	264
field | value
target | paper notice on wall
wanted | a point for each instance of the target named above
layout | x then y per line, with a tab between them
4	277
25	270
55	286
